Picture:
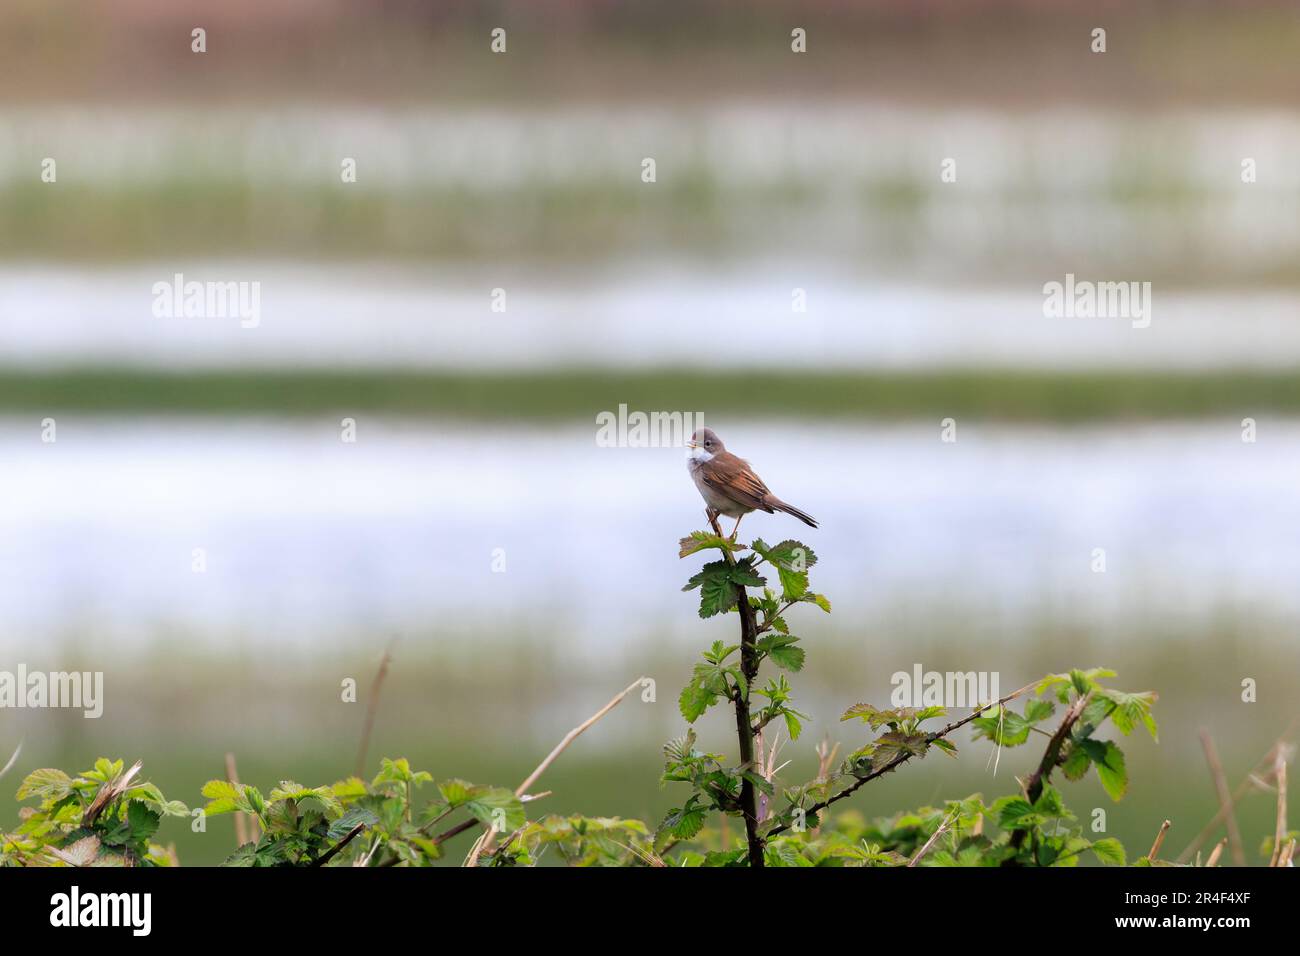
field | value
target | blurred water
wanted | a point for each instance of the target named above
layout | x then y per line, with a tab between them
309	540
858	183
646	315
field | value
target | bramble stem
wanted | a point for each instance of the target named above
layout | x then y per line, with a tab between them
744	731
1051	757
901	759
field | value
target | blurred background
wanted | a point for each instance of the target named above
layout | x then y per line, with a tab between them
526	574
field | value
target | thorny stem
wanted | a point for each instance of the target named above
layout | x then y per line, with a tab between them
745	732
1051	757
901	758
334	850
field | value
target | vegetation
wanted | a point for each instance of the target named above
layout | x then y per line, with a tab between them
107	816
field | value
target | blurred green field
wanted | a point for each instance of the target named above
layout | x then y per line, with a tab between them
886	221
1012	395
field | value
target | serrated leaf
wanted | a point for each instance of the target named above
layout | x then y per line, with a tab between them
497	807
1015	813
947	746
1109	851
1109	761
1130	710
349	789
792	559
788	657
47	783
84	852
1038	709
707	684
455	792
226	797
783	652
819	599
1003	726
344	824
685	822
1076	763
717	592
142	821
703	540
745	575
246	855
891	745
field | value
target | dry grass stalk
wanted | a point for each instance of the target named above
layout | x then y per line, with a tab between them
1160	839
1220	779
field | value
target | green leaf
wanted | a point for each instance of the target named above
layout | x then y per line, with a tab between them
142	821
48	784
344	824
1015	813
790	553
742	684
707	684
873	716
307	796
1109	761
220	790
1109	851
350	789
819	599
745	575
685	822
761	783
455	792
703	540
717	591
1050	806
947	746
679	748
226	797
792	559
780	648
246	855
498	807
1003	726
1130	710
891	745
1076	763
1038	709
719	652
788	657
1076	679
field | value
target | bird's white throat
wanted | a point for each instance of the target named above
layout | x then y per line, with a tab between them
699	454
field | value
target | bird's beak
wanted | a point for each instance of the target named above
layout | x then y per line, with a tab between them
692	443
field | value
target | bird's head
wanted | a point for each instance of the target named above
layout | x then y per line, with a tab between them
705	444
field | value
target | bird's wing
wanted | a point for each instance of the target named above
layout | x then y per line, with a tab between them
734	478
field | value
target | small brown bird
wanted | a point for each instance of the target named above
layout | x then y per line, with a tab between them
728	485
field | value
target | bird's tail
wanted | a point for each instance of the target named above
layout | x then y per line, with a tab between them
780	505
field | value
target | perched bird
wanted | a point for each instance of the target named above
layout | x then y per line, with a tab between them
728	485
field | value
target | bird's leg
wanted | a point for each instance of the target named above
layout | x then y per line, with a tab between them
736	529
712	514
